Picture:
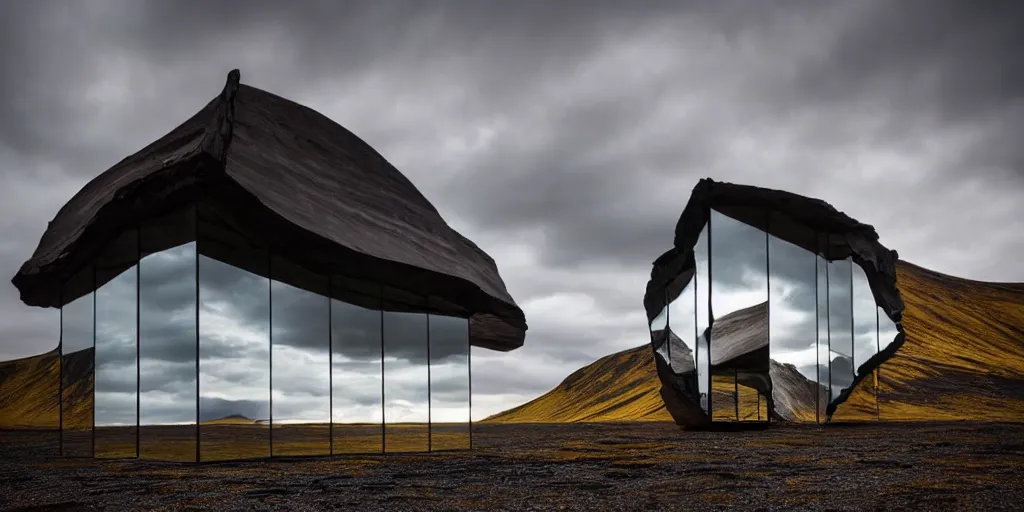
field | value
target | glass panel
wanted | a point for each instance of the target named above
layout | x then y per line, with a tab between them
116	357
887	332
865	319
357	381
862	405
823	360
168	341
840	321
750	404
658	326
723	402
406	383
77	375
683	341
449	383
739	305
302	378
793	335
234	360
702	283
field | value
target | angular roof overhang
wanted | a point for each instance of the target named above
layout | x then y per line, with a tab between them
269	173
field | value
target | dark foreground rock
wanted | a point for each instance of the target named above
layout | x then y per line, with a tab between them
949	466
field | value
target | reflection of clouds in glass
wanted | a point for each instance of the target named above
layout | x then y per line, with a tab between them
792	307
302	387
356	367
865	341
887	330
738	266
167	336
840	308
234	323
449	369
115	350
682	321
405	389
739	260
302	364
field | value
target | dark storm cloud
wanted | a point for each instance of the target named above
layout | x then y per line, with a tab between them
562	137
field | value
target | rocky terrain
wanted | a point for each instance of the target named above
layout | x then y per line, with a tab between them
575	466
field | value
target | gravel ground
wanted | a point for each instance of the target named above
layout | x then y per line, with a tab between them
949	466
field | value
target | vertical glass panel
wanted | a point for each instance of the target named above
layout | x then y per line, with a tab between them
658	332
680	339
887	333
682	323
840	324
302	371
793	337
449	383
865	319
357	379
823	360
861	404
116	357
234	359
77	372
406	383
168	343
739	305
750	404
723	402
702	284
887	330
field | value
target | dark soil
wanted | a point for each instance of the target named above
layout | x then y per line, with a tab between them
889	466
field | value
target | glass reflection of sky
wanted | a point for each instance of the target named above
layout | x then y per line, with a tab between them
865	327
115	351
682	320
792	307
167	336
301	346
234	342
703	286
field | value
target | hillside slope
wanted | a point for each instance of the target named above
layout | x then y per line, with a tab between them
28	392
617	387
963	359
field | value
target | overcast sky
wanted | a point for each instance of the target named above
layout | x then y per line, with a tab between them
562	137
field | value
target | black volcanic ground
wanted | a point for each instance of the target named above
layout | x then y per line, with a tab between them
640	466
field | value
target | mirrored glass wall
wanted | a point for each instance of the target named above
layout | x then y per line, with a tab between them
179	355
116	407
406	382
791	324
168	344
449	383
77	321
234	359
